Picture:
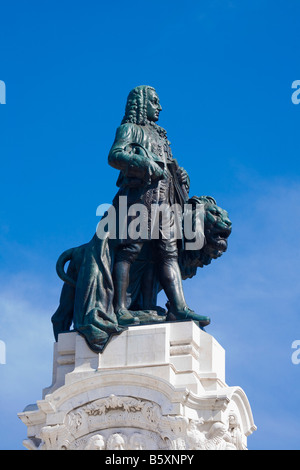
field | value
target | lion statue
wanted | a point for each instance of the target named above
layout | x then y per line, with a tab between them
217	228
87	295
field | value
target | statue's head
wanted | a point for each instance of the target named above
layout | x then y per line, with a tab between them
142	106
116	442
217	229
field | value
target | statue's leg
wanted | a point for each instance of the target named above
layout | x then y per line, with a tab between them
169	273
125	255
149	287
171	281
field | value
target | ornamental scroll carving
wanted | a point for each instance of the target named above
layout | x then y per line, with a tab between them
127	423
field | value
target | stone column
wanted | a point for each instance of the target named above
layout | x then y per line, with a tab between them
155	387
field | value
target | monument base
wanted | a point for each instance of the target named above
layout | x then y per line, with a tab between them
154	387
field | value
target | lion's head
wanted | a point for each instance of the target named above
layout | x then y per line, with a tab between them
217	228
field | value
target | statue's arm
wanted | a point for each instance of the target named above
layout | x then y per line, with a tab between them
119	156
128	155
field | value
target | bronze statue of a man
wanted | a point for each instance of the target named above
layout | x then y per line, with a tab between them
113	281
150	176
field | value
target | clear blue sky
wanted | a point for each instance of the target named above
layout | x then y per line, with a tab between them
223	71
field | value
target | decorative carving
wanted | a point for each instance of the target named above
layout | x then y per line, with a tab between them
95	443
235	433
114	402
127	423
137	442
55	437
117	441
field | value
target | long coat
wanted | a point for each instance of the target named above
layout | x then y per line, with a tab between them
148	172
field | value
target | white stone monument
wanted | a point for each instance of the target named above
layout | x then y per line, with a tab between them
155	387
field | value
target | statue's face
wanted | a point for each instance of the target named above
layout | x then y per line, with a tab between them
99	444
119	445
153	106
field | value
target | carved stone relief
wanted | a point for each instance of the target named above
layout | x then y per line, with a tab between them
127	423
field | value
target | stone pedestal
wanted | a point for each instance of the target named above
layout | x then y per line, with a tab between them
156	386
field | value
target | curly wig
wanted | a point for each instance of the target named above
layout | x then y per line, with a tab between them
136	106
